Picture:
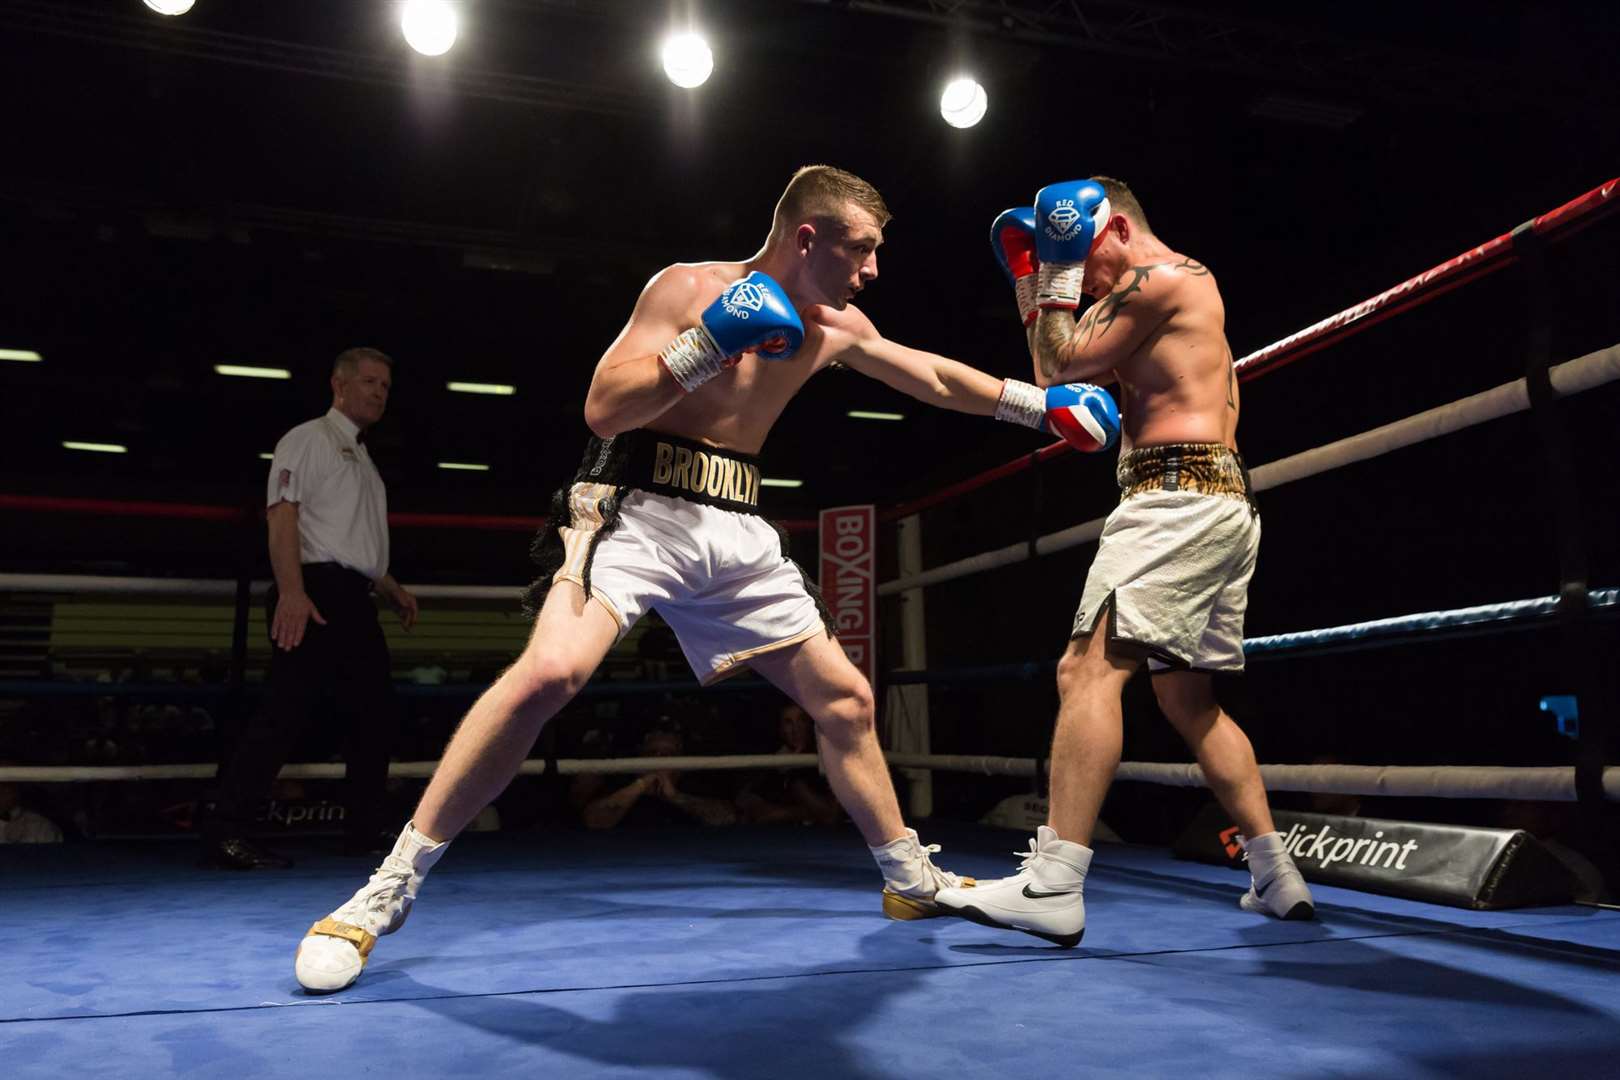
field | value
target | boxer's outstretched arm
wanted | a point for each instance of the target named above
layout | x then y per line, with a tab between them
928	377
846	336
631	388
1089	348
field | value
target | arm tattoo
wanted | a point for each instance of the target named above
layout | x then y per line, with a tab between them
1050	335
1054	337
1231	380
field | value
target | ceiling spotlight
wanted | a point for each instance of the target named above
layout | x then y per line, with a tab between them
429	25
687	60
963	103
170	7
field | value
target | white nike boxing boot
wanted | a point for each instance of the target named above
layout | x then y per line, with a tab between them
335	950
1044	898
1276	887
910	878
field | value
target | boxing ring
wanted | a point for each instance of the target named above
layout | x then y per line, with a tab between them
760	951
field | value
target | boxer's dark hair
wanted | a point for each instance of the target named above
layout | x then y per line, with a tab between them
1122	200
348	361
822	191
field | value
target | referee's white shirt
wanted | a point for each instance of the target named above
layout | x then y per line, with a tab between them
342	505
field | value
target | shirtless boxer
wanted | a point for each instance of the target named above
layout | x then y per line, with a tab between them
663	513
1170	580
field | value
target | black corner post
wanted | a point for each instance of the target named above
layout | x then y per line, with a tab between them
1583	663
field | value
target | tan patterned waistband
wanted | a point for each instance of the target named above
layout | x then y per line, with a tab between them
1202	468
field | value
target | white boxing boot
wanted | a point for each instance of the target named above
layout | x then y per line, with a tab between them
1044	898
1276	887
335	950
910	878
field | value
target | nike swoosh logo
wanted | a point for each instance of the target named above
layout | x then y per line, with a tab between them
1033	895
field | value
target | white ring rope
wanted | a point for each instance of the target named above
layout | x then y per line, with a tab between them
1572	377
1542	783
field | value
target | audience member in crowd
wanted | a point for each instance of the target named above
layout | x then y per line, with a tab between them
799	796
662	797
21	825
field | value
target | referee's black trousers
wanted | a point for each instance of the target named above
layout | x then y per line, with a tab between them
340	670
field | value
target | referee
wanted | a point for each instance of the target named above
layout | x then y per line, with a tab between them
328	518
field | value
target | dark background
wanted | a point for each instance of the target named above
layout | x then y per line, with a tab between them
270	183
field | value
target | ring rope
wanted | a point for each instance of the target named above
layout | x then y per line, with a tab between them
1542	783
1509	612
1371	634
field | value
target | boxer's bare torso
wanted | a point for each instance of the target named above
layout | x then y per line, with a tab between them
737	409
1178	384
1160	330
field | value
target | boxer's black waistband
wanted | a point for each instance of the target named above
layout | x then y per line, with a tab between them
669	465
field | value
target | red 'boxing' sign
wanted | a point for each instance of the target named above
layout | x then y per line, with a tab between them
849	581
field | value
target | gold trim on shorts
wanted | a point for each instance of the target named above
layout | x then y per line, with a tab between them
737	661
596	594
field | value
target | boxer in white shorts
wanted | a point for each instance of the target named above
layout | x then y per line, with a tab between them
1170	580
1173	564
715	571
663	515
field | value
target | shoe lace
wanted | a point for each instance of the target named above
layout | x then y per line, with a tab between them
378	891
943	879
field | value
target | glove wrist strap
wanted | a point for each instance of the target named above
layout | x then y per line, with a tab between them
1059	285
1026	290
1022	403
693	358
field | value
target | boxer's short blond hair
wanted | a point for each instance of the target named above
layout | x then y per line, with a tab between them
822	191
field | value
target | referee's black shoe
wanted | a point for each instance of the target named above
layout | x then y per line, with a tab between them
239	853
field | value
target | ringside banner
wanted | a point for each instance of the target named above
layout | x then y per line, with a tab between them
1443	864
849	581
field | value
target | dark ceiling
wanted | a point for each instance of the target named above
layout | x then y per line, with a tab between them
267	183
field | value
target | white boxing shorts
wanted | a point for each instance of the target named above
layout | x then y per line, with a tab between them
657	523
1175	558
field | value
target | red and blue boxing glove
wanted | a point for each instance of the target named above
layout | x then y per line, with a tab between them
1071	217
1084	415
753	314
1012	238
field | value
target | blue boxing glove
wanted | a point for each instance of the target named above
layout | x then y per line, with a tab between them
1012	238
1070	217
752	315
1085	416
